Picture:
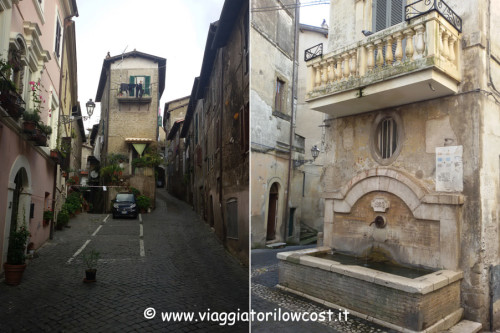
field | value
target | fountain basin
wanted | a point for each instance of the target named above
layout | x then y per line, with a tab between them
429	303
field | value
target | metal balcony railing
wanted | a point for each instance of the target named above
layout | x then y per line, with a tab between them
422	7
10	100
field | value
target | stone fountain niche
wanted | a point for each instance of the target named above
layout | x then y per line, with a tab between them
385	212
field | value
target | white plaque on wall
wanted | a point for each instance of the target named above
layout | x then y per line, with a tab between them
380	204
449	169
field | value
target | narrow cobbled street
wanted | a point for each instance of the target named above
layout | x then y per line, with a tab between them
176	266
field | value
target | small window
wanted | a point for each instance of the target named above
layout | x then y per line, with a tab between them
232	218
139	85
387	138
280	96
57	48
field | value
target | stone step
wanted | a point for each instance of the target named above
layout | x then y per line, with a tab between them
276	245
309	240
466	326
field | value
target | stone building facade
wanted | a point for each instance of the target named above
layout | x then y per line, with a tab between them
175	153
217	130
130	88
273	111
309	125
412	141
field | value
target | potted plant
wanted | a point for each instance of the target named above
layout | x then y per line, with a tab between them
30	121
90	260
62	219
16	255
143	203
46	129
48	215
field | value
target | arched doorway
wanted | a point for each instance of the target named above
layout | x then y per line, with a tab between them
16	214
18	201
272	214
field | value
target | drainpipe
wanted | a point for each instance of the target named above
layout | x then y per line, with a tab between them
292	120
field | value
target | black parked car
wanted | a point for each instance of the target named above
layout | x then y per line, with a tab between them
124	205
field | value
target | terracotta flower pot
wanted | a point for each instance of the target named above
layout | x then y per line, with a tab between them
90	275
13	274
29	126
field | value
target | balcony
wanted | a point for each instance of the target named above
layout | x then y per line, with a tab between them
10	100
127	94
424	64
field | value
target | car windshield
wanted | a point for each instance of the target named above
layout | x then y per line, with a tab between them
122	197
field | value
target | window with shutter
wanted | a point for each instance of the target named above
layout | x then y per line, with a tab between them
57	48
387	13
144	81
131	86
147	82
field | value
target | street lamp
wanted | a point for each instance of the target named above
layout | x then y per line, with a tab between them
90	110
314	152
90	107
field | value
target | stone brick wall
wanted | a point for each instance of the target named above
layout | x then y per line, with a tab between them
411	310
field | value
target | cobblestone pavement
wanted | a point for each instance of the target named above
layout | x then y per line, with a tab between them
182	267
267	298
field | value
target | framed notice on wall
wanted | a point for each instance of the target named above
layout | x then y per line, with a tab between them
449	169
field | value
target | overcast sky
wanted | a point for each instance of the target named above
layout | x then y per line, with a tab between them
172	29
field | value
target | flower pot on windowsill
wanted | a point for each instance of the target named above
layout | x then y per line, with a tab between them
40	138
29	126
55	155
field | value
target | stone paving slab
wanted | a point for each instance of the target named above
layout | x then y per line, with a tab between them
184	268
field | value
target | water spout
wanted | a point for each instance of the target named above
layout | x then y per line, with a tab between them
379	221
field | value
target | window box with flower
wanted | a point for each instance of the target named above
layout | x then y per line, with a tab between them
32	124
48	215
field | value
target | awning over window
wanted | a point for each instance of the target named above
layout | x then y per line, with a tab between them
139	144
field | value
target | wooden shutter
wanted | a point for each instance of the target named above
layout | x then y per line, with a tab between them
130	89
58	38
397	13
387	13
147	83
380	15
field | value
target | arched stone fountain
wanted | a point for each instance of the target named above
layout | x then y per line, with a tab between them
383	211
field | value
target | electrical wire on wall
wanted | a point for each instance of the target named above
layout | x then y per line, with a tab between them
290	6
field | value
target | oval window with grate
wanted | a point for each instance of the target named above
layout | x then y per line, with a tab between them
386	138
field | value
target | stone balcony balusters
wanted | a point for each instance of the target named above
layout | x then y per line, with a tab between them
409	56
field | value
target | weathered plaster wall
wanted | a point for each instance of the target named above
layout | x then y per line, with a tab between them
308	124
271	35
235	157
469	119
267	169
